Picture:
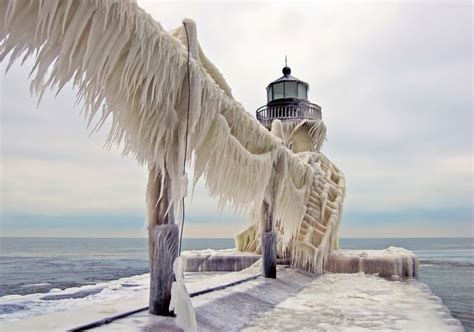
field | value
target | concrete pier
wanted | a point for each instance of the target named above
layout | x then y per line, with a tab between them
294	301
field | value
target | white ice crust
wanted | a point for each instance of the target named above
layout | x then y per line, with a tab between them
392	262
359	302
294	301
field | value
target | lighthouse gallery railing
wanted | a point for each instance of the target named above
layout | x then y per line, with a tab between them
288	111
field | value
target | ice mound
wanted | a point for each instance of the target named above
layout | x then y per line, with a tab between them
392	262
224	260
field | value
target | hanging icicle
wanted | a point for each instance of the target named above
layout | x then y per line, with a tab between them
180	300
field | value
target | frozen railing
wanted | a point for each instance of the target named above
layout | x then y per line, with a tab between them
288	111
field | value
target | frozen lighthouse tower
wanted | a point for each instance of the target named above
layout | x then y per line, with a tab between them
307	227
287	107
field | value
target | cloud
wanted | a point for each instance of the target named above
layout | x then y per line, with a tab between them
395	86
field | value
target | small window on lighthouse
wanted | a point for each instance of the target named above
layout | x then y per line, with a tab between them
302	93
269	94
278	91
291	90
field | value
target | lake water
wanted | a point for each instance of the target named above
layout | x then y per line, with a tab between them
37	265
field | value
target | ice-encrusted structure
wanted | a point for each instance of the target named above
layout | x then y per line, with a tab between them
180	300
392	262
126	67
217	260
315	223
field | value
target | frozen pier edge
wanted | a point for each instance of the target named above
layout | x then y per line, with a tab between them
390	262
295	301
224	260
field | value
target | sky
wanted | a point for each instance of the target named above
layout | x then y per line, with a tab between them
394	80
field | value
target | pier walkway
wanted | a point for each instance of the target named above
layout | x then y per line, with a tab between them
296	300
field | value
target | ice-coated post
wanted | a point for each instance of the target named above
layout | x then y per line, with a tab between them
269	242
163	232
163	241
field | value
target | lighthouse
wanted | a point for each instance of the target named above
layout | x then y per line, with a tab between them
287	101
290	116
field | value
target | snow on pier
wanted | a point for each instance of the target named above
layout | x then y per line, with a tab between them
295	301
358	302
298	301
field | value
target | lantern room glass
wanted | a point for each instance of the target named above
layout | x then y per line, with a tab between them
288	89
291	90
278	91
302	91
269	94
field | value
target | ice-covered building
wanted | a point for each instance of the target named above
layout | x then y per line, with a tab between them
297	122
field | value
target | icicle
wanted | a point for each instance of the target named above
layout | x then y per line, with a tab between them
180	300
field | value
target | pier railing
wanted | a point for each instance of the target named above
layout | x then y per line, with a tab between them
288	111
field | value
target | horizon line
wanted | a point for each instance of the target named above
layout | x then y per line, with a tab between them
227	238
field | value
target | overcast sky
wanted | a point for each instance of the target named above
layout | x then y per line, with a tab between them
394	81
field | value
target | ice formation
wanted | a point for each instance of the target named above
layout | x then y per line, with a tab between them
124	65
180	300
293	302
392	262
217	260
312	232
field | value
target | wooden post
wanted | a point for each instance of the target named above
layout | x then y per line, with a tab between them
163	241
269	242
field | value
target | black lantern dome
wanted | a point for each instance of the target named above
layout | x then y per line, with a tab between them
287	100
